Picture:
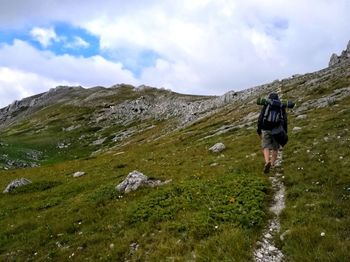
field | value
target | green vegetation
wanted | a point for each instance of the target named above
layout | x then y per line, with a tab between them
318	187
201	208
213	210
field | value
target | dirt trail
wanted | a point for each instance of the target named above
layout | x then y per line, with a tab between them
266	251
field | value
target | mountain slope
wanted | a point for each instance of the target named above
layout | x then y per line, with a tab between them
216	205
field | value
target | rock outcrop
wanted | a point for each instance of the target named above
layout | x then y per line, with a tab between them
345	55
20	109
325	101
136	179
217	148
15	184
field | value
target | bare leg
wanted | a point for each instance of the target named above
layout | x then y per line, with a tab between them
266	153
274	157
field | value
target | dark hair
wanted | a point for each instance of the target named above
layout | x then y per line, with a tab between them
273	96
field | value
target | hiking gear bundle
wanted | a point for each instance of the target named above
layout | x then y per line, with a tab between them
264	102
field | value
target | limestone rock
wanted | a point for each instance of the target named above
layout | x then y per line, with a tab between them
333	60
79	174
136	179
99	141
217	148
345	55
16	183
301	117
325	101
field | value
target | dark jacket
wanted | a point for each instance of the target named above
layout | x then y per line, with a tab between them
263	126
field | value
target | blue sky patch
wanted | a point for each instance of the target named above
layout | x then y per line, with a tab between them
78	42
69	40
7	37
72	41
276	28
134	59
281	23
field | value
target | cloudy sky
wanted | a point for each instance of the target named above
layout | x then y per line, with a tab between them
189	46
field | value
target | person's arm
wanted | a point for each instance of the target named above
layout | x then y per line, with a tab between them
285	120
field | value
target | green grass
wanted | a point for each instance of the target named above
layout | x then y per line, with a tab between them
213	210
317	180
202	207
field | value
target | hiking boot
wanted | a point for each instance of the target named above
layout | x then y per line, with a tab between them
267	167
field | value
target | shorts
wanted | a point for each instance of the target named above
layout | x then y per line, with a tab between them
268	141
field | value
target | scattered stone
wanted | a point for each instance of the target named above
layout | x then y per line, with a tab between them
63	145
111	246
323	234
99	142
217	148
136	179
214	164
79	174
71	128
272	248
268	235
16	183
284	234
301	117
134	247
297	128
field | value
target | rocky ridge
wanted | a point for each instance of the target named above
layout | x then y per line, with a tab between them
345	55
146	102
128	108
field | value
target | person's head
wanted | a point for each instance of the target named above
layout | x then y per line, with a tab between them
273	96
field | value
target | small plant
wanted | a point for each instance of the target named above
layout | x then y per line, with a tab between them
103	194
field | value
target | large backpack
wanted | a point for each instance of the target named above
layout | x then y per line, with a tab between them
273	115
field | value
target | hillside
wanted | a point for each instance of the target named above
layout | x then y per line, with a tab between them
216	205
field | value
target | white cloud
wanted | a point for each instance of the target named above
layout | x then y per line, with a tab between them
44	35
39	71
205	47
228	44
17	84
78	42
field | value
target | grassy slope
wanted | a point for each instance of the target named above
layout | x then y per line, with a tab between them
204	207
207	213
318	187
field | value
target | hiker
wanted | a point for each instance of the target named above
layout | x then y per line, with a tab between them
273	116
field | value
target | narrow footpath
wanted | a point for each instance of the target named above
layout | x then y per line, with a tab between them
266	251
